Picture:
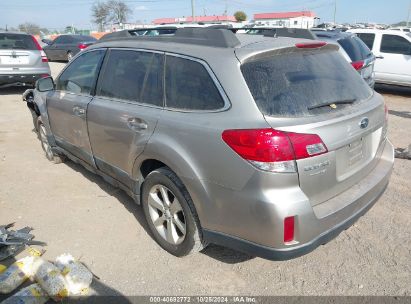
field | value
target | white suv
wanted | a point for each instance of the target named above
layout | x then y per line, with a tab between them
393	52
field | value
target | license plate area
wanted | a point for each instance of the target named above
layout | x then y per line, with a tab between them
355	152
14	60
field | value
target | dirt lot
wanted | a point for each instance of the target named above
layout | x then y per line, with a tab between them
75	211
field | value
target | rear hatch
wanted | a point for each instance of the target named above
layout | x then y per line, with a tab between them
18	51
316	91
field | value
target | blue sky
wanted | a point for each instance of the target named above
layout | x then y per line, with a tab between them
60	13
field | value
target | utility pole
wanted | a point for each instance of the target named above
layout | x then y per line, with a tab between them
193	10
409	13
335	11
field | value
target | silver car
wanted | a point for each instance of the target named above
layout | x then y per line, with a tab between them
271	146
22	60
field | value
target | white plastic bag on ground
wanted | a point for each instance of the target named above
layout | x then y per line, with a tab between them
50	279
77	276
16	274
32	294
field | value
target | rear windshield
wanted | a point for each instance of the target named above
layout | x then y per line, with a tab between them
355	48
16	42
290	85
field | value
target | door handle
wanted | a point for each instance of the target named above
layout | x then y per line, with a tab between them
136	124
379	57
78	111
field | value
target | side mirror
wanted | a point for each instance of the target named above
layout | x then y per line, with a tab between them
47	41
45	84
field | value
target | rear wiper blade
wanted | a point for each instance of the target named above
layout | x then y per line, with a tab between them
331	103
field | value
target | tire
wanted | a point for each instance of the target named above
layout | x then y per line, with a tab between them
69	56
50	155
175	227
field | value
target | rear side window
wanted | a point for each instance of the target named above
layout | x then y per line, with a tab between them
16	42
395	45
134	76
288	85
79	77
355	48
189	86
367	38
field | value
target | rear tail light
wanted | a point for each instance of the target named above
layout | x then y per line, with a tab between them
44	75
38	47
289	229
82	46
273	150
310	45
43	57
357	65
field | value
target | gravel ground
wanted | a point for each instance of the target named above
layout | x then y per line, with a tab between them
77	212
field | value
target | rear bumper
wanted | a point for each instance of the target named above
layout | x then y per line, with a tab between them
314	225
20	79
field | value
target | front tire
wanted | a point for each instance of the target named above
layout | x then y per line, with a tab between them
170	213
50	155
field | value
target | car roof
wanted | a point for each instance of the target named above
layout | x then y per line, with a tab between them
334	35
13	32
375	31
246	46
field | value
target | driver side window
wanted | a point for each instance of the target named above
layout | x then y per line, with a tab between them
80	76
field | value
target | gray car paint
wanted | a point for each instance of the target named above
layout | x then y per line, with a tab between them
231	196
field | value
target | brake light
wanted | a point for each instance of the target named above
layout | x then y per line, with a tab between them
358	65
289	229
273	150
310	45
82	46
43	56
306	145
44	75
37	44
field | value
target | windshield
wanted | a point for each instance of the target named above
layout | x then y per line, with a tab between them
297	84
16	42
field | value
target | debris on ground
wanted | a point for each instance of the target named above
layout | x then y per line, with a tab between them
66	277
18	272
32	294
13	242
77	275
403	153
50	279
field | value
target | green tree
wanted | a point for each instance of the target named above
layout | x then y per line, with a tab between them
240	16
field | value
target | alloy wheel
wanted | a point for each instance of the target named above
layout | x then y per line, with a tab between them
44	142
166	214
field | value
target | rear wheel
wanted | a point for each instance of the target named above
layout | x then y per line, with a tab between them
170	213
69	56
51	156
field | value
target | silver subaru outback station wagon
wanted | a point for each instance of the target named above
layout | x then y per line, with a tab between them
270	146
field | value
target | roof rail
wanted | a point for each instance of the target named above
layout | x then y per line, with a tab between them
279	32
191	35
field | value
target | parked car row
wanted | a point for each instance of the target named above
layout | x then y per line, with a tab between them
270	146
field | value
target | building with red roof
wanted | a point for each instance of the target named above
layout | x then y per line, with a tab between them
302	19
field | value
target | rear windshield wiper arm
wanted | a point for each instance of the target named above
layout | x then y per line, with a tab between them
330	103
